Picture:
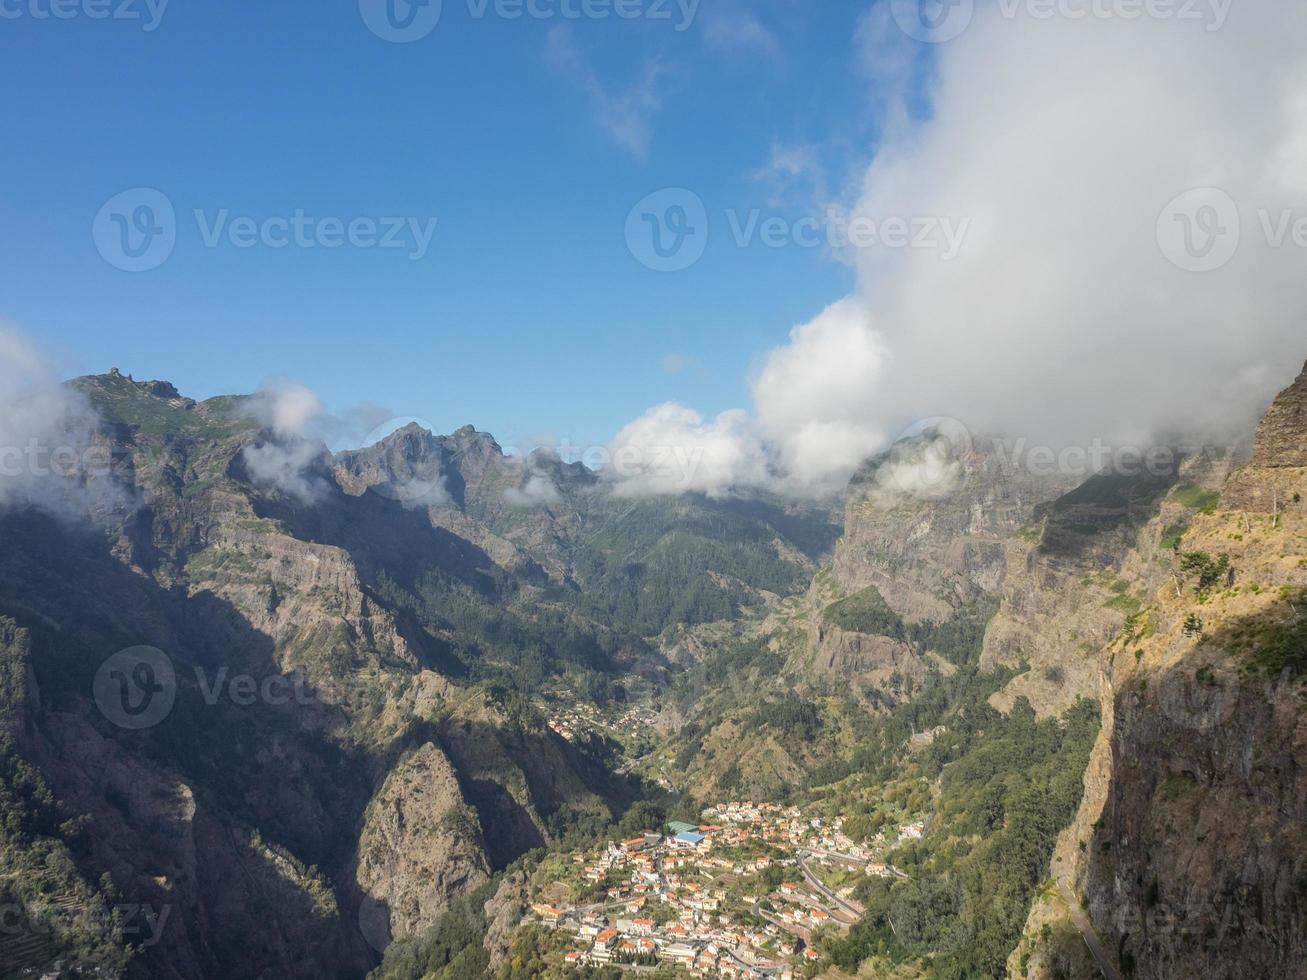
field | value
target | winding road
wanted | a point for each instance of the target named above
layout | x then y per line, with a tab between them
1086	929
852	908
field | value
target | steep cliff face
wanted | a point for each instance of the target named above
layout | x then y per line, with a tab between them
931	550
1282	433
1084	567
421	843
1190	849
311	763
967	537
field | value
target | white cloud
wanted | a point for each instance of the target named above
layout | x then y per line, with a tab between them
672	449
52	456
286	465
1061	320
738	32
815	398
796	176
285	456
627	116
1062	141
537	491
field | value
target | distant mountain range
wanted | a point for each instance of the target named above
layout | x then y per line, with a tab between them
413	595
269	711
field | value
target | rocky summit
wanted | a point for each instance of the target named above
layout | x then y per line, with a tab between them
1282	434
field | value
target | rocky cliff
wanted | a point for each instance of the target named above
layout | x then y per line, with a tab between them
1188	852
323	758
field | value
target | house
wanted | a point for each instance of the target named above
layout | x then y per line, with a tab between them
679	953
602	951
549	915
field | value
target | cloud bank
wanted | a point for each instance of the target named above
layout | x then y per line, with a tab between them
1064	318
284	458
52	456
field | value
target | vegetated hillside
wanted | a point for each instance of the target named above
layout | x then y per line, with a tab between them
1188	851
352	741
948	666
647	563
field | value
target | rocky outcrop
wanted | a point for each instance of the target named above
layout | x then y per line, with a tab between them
874	659
1276	476
421	843
268	819
504	912
929	552
1282	434
1188	850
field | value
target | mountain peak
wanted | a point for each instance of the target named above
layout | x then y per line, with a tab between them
467	438
1282	433
115	380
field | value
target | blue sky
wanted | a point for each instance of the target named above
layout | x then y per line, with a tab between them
529	140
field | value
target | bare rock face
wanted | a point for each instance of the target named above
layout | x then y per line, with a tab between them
1278	472
1188	848
1282	434
928	552
421	842
504	914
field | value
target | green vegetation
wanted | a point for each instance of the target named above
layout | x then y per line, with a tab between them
650	563
791	716
125	402
865	612
959	639
450	950
1002	801
1275	641
1196	498
1174	534
1208	569
50	911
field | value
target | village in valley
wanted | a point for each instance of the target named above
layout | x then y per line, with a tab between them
740	894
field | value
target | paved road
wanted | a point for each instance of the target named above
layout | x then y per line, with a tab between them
1082	923
852	908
